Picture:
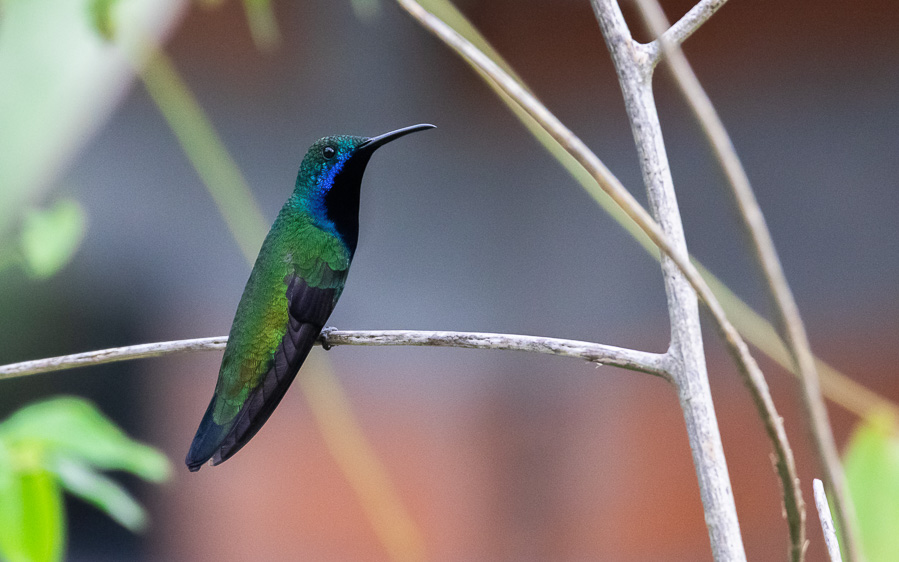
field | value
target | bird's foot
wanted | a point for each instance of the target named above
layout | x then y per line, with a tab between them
326	331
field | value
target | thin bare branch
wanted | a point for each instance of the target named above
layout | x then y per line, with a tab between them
753	220
111	355
633	360
642	361
830	535
684	28
836	386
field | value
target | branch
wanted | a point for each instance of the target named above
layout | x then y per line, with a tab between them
111	355
651	363
684	28
721	496
757	331
786	309
830	536
635	80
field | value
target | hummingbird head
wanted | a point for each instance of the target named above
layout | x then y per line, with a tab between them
331	175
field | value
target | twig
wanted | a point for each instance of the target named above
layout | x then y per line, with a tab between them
789	319
684	28
651	363
110	356
838	387
830	535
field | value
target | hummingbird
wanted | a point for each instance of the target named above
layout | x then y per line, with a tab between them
297	278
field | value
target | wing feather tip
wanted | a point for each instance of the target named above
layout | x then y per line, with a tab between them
195	459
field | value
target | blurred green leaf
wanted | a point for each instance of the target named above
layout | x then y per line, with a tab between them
102	492
72	427
31	517
58	444
101	16
58	83
50	237
872	469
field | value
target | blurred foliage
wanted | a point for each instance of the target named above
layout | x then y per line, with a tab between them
50	237
872	469
59	81
62	444
102	17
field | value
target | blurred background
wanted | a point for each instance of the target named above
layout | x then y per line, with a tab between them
473	226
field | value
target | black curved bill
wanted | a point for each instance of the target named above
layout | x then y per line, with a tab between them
373	143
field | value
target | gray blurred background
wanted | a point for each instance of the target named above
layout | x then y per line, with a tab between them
472	226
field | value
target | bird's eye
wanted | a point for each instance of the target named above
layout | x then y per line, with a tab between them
328	152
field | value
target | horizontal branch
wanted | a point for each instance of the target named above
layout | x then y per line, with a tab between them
110	356
651	363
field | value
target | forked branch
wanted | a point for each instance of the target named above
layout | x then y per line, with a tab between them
735	344
684	28
790	321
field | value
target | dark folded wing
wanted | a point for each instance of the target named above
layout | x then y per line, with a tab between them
308	310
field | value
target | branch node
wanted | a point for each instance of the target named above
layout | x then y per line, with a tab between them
323	337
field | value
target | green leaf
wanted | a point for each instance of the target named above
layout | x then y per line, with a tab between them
70	427
100	12
50	237
55	444
31	518
872	469
102	492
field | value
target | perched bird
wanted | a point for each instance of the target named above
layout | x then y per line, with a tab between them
296	281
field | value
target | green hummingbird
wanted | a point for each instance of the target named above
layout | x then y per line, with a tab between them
298	276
